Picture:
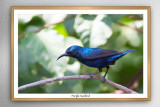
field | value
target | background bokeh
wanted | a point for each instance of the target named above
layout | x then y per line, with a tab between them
43	37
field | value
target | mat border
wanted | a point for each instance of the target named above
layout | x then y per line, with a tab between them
148	8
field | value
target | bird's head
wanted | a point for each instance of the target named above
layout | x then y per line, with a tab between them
71	51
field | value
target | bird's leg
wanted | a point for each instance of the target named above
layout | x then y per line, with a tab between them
91	75
100	70
106	72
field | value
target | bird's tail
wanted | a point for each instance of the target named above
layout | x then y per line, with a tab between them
127	51
116	57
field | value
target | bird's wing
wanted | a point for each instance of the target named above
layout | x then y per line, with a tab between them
100	53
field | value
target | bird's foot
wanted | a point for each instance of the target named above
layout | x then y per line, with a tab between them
104	79
91	75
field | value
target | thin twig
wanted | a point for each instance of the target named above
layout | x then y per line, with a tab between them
135	79
131	27
48	25
135	17
125	89
133	84
21	36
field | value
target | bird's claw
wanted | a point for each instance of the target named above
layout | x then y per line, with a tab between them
91	76
104	79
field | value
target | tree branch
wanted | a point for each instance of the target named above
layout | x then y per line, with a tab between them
48	25
61	21
125	89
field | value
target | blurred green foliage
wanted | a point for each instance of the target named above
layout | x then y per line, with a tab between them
38	51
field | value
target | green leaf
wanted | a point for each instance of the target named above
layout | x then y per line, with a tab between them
36	20
25	63
93	30
25	18
69	25
115	17
21	27
26	67
47	46
42	48
60	28
131	18
30	24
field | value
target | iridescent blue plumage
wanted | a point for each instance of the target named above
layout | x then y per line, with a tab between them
95	57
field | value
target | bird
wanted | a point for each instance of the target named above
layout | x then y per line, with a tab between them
95	57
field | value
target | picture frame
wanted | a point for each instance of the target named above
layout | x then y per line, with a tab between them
18	10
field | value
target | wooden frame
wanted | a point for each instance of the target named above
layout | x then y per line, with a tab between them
147	8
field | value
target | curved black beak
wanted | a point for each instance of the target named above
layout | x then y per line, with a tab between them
65	54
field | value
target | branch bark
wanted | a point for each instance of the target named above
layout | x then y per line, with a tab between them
125	89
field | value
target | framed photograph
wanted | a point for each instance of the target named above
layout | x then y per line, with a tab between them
81	53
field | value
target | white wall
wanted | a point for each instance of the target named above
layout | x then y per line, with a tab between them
5	51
